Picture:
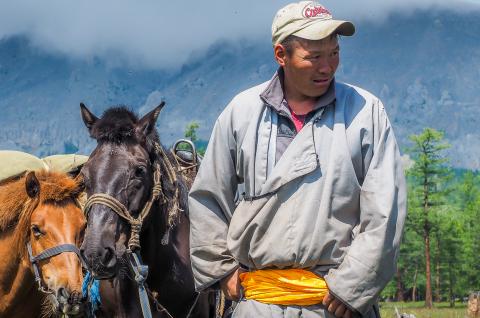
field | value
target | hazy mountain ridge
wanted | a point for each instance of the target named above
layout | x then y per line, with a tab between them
425	67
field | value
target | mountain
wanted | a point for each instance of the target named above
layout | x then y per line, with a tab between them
425	67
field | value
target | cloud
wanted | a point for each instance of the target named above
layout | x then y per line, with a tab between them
162	34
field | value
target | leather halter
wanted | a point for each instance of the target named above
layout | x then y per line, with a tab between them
46	254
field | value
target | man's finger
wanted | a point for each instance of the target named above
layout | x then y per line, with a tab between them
333	305
327	300
340	311
348	314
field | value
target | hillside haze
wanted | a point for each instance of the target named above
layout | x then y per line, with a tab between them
424	66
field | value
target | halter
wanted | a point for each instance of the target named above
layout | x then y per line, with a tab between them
141	271
122	211
46	254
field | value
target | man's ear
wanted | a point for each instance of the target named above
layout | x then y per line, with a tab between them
32	185
280	54
88	117
147	123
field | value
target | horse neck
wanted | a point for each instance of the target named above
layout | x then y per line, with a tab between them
18	290
162	261
155	253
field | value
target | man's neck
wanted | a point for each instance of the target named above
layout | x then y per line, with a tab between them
301	106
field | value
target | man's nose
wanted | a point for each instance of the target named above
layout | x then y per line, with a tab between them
323	65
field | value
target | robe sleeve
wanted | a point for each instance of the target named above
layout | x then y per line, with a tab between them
371	259
211	205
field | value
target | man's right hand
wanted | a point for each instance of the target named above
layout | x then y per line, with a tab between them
231	286
336	307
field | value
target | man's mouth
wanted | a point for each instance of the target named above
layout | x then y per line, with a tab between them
321	80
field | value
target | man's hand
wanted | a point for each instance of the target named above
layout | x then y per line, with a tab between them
336	307
230	285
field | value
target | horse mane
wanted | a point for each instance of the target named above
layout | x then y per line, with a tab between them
16	207
117	125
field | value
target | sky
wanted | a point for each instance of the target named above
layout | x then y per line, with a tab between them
166	34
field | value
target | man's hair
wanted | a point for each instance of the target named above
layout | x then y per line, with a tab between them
289	42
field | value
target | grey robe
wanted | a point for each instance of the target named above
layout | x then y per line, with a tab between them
334	203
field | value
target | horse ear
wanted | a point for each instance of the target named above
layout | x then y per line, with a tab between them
147	123
80	181
32	185
88	117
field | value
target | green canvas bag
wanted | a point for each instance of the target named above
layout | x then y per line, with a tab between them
13	163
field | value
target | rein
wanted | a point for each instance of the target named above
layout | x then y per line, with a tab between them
46	254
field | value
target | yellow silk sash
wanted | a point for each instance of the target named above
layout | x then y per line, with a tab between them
284	286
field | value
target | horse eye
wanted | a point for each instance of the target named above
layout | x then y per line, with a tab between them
36	231
140	171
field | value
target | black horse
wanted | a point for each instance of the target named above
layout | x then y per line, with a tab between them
123	166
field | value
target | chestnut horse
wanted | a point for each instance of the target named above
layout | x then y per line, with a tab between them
137	206
39	212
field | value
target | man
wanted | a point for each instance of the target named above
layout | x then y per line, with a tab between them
324	193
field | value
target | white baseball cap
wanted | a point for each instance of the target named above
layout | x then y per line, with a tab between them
308	20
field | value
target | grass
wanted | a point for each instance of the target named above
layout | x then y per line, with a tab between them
440	310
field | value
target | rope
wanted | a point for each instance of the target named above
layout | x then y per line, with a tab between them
157	192
220	304
172	176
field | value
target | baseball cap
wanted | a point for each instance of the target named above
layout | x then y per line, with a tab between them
308	20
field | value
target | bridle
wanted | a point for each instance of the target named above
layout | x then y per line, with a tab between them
121	210
46	254
140	270
49	253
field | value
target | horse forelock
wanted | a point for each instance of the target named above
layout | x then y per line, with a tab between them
16	207
118	125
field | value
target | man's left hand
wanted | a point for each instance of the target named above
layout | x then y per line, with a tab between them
336	306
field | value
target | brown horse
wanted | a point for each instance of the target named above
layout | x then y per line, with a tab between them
40	210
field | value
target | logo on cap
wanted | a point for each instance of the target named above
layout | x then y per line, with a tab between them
316	12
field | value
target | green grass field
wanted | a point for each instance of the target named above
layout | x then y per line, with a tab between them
440	310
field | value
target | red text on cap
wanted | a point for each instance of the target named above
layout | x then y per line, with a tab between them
314	12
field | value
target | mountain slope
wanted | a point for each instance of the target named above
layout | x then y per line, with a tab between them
425	67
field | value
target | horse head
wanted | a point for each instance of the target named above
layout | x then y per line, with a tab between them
120	169
54	225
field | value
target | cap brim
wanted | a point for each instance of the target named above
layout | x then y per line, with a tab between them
320	29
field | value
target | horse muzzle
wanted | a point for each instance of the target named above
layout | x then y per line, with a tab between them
70	303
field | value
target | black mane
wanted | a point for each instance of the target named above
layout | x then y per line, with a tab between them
117	125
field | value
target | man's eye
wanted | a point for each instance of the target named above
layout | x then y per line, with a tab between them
313	58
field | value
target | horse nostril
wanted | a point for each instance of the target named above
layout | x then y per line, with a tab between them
75	298
63	295
82	253
108	257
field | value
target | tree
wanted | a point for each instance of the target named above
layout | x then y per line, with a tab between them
467	197
191	131
429	175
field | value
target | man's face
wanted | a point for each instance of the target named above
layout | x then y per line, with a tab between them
310	66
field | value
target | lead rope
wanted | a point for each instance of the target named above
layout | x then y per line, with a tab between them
172	176
141	273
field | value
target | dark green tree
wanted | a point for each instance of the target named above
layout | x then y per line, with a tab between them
429	176
467	198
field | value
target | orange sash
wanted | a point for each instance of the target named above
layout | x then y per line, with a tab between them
284	287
